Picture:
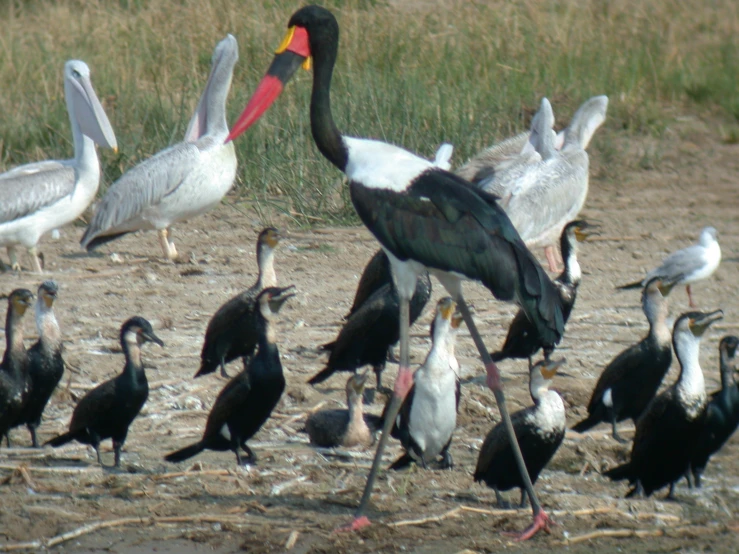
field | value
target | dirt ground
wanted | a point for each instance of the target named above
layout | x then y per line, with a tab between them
650	197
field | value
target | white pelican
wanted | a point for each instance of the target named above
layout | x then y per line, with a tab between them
424	217
481	168
686	266
39	197
544	187
180	182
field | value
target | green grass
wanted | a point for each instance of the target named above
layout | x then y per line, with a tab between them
415	73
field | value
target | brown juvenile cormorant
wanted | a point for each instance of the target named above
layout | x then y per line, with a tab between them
371	330
522	340
540	430
428	416
108	410
46	366
248	399
669	428
722	412
232	331
350	427
14	382
631	379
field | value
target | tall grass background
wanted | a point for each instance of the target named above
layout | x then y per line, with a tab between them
414	73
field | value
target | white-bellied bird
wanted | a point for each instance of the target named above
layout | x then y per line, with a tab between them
686	266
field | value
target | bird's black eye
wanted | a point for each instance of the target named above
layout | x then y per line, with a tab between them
76	74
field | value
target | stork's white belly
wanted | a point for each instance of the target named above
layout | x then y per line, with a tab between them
29	229
202	189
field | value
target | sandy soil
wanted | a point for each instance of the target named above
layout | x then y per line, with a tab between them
296	496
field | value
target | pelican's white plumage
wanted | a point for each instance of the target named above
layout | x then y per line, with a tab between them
182	181
587	119
39	197
544	186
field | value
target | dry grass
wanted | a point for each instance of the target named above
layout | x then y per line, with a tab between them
414	73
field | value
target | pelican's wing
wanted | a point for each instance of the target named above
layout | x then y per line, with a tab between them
32	168
485	164
681	263
548	196
587	119
142	186
537	149
30	188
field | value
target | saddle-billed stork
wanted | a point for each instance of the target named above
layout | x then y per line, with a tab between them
424	218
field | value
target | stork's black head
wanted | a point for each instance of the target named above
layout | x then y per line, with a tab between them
320	24
313	32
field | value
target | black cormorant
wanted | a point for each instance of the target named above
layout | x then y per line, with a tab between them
631	379
522	340
539	429
376	274
108	410
46	366
14	381
669	428
722	412
247	400
232	332
365	337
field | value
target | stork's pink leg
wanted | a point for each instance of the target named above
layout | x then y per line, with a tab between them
403	383
541	519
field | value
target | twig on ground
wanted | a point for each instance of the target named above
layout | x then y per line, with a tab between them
424	520
291	540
